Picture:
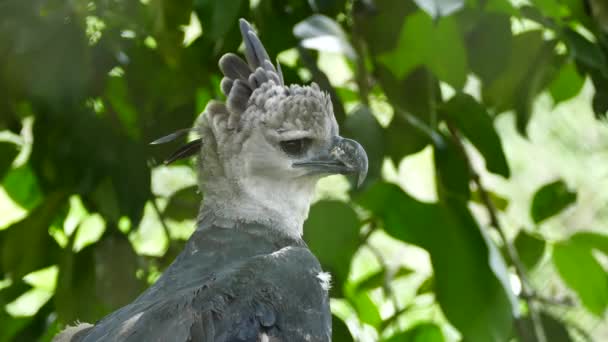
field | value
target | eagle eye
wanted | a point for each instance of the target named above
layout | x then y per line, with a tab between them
295	147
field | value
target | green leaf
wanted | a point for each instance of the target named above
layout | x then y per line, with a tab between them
533	63
339	331
422	332
115	266
319	32
184	204
550	199
530	248
362	126
372	281
439	46
11	326
218	17
585	52
468	290
118	97
439	8
476	124
8	152
600	101
497	200
367	311
402	139
331	224
26	246
428	285
451	169
21	185
591	240
76	297
381	30
421	87
551	8
555	330
582	273
567	84
489	45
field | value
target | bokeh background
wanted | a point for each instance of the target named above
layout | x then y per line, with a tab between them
485	213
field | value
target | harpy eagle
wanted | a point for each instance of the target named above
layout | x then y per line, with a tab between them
246	274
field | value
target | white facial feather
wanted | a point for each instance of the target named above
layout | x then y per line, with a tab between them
243	173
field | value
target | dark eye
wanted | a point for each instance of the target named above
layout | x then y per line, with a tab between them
295	147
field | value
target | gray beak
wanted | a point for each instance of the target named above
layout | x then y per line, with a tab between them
344	156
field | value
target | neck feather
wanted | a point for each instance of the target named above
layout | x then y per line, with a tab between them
277	204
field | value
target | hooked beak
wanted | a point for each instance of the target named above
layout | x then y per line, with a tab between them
344	156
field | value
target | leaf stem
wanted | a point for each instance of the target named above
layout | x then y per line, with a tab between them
161	218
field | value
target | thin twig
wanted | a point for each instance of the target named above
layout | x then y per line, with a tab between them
389	321
563	301
520	270
386	286
161	218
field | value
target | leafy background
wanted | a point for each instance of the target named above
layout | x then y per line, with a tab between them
484	215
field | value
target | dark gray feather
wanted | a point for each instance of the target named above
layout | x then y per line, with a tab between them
228	285
185	151
232	66
170	137
254	50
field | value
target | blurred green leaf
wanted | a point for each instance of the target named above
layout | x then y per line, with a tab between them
322	241
118	98
218	17
372	281
402	139
76	296
440	8
8	152
22	187
567	84
533	64
339	331
428	285
11	326
115	266
530	248
414	94
550	199
438	46
382	29
422	332
489	45
451	170
362	126
183	204
600	101
322	33
367	311
379	278
26	246
582	273
585	52
551	8
476	124
499	202
555	329
591	240
468	291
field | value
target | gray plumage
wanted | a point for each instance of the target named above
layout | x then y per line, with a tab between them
246	274
213	292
